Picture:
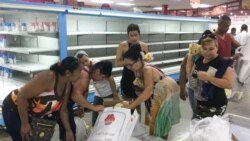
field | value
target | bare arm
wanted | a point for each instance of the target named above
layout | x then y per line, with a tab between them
144	47
189	64
119	53
148	91
113	87
225	82
41	83
183	78
64	115
80	87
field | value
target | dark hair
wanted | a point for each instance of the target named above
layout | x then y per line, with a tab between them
133	27
224	18
233	29
244	27
133	53
104	66
205	34
69	63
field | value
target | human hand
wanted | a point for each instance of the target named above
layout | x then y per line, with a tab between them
236	56
202	75
98	108
26	132
79	112
183	95
126	104
69	136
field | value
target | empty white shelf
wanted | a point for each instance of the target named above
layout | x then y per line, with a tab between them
98	33
104	57
117	69
122	33
170	51
27	67
92	46
28	33
167	61
154	53
171	70
27	50
172	42
116	45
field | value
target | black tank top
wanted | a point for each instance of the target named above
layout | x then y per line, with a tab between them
128	77
219	98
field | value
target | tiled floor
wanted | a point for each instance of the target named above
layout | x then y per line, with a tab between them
240	108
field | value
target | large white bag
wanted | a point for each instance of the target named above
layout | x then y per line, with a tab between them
114	124
210	129
81	129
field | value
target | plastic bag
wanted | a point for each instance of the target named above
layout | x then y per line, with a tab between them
210	129
82	129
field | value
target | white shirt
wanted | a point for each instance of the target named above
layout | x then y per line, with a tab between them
102	88
242	38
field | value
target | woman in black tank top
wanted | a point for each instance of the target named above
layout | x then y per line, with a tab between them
127	79
128	76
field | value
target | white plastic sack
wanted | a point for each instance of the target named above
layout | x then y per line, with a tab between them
210	129
114	124
81	129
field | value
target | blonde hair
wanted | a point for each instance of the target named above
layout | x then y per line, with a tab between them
209	40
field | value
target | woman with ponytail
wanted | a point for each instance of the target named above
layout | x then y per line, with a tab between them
159	92
45	97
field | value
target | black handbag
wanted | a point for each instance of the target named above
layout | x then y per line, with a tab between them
42	129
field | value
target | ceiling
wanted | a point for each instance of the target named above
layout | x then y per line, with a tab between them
148	5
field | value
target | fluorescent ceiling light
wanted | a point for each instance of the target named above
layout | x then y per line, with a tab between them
130	0
204	5
125	4
157	8
103	1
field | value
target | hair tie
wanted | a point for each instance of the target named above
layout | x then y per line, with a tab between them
148	57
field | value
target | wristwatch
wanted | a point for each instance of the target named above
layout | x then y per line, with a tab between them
195	73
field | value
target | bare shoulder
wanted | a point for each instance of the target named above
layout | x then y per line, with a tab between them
123	44
148	70
144	46
47	76
83	80
143	43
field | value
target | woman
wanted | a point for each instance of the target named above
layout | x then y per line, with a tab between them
42	97
158	91
128	76
214	74
79	95
103	82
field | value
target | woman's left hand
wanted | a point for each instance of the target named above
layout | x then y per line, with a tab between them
202	75
69	136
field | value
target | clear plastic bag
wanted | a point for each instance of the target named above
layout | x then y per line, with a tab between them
210	129
82	129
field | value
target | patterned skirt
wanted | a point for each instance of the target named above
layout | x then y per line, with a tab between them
165	108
